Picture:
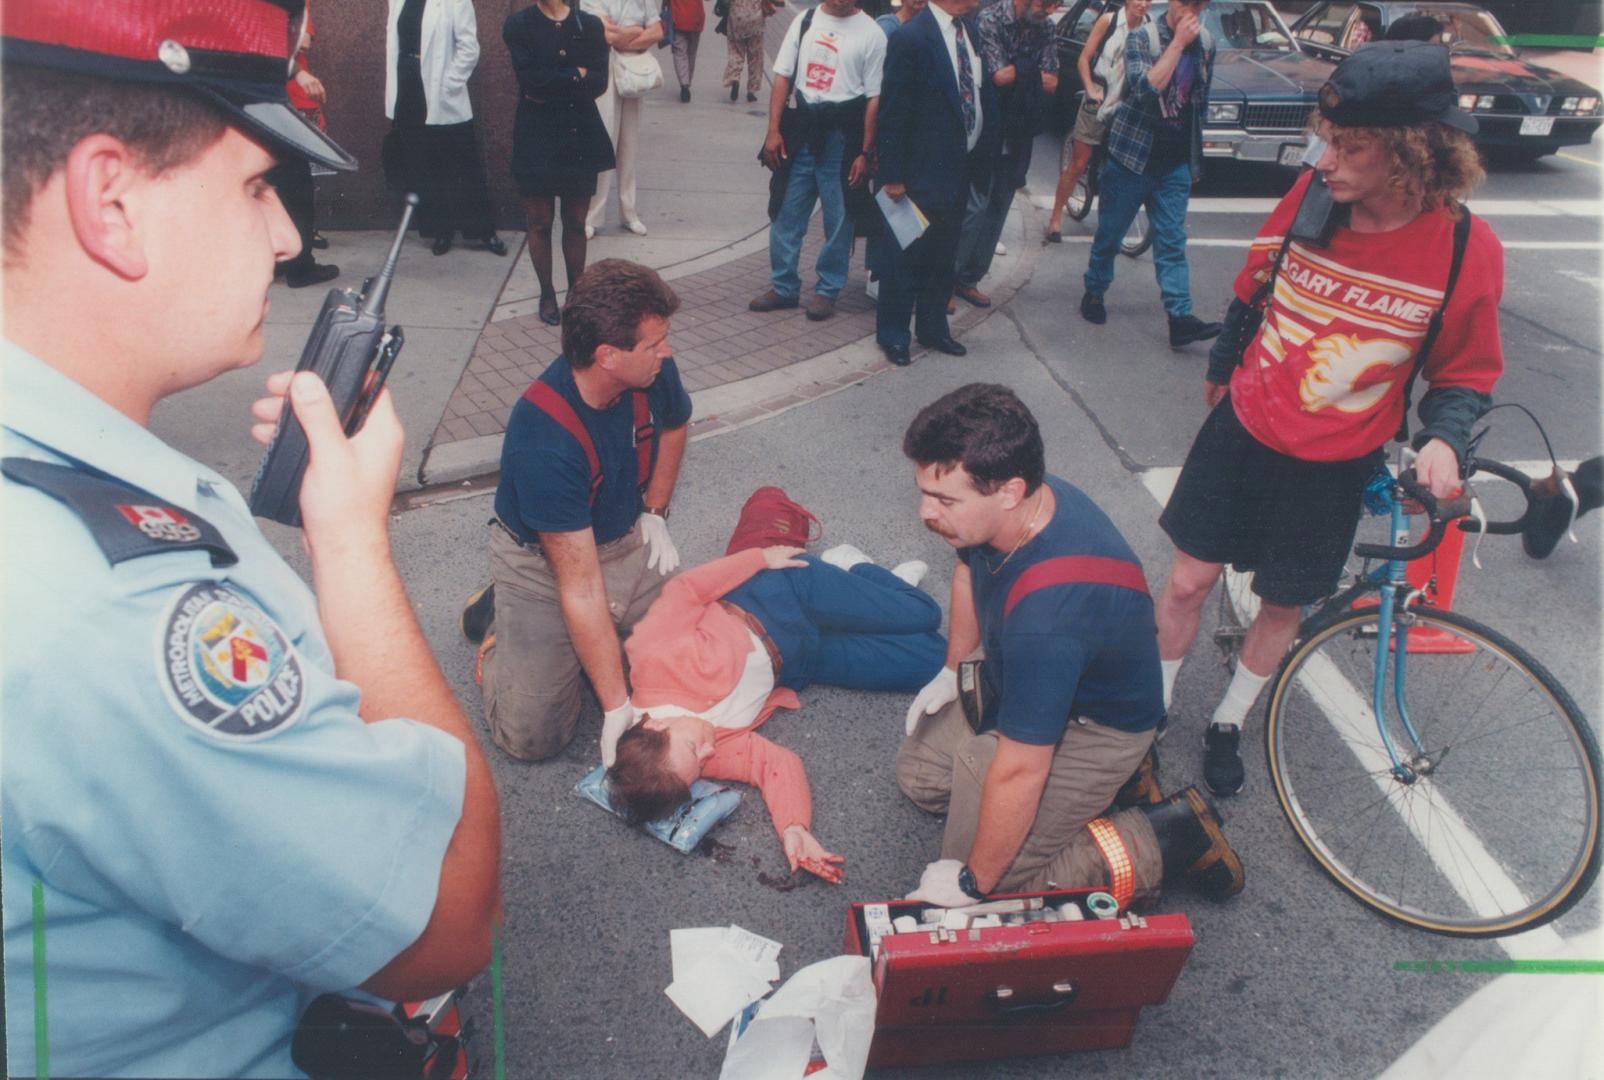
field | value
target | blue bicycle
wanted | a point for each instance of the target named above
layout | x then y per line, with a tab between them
1456	791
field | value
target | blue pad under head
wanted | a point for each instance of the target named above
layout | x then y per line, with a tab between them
682	830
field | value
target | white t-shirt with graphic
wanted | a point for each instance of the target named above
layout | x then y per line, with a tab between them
841	59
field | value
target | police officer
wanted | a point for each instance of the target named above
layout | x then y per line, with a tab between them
213	808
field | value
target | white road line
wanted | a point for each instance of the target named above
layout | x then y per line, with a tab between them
1350	714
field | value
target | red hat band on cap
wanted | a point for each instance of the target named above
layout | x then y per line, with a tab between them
141	29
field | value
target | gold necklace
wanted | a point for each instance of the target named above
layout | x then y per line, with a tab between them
1041	500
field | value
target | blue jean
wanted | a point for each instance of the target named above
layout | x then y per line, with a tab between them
812	178
864	628
1121	193
984	218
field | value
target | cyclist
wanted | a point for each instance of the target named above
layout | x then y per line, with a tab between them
1274	479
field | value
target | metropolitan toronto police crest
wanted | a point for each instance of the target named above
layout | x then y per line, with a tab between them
227	667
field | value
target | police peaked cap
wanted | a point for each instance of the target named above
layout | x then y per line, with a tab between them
236	54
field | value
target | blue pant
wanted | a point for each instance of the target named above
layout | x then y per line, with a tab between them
1121	193
864	629
812	178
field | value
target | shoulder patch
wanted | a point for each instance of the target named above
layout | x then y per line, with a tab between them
227	668
125	521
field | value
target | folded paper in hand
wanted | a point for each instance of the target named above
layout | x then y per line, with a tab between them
908	223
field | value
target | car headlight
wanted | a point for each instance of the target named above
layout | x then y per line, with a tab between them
1467	102
1485	103
1589	106
1579	106
1224	113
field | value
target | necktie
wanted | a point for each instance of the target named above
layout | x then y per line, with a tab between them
966	80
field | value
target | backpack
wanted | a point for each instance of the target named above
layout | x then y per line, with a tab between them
1110	67
549	401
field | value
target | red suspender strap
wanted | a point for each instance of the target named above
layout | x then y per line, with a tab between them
548	401
1076	570
645	439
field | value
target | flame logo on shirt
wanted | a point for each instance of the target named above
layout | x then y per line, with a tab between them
1338	362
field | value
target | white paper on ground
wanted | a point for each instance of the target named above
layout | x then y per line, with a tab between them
770	1050
713	990
761	951
907	221
687	946
838	996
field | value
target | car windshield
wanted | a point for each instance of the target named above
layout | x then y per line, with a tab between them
1239	24
1464	30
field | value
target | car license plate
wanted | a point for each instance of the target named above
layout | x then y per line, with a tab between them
1292	154
1536	125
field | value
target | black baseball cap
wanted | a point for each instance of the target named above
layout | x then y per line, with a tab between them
1394	84
237	54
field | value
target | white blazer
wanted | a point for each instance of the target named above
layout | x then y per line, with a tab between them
450	53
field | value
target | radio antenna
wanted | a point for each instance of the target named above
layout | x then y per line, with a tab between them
373	302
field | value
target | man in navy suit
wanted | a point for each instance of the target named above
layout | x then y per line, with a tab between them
936	101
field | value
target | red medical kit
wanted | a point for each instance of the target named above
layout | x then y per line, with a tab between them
1038	987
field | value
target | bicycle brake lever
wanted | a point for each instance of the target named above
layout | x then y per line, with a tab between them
1480	514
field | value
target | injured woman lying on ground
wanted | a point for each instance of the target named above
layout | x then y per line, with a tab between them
727	643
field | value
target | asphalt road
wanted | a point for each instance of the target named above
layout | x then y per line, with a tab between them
1289	979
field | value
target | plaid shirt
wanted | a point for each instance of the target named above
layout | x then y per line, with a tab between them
1130	135
1004	37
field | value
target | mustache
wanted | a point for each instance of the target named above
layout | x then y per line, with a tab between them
939	531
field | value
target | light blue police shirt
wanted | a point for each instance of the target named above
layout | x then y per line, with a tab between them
218	836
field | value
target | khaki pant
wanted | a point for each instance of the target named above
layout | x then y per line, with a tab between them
621	117
747	52
942	768
532	676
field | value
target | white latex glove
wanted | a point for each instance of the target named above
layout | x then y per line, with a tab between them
614	723
939	885
662	555
937	695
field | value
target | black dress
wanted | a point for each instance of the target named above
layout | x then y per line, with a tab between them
559	143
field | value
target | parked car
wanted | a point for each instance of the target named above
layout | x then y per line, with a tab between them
1264	86
1523	110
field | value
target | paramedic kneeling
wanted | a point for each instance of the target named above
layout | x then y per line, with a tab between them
1053	625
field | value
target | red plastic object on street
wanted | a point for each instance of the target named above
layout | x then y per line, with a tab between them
1037	988
1435	576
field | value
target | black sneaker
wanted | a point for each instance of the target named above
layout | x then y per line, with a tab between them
1092	309
478	614
1222	763
1185	329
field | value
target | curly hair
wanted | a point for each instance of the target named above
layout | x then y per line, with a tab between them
606	306
1435	163
985	428
640	784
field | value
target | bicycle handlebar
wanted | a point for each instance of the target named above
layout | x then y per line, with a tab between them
1514	476
1439	512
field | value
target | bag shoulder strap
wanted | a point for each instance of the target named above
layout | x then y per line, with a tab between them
541	395
1075	570
802	32
1461	241
646	436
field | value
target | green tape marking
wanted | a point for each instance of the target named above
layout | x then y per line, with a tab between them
495	990
1550	41
1504	967
41	1021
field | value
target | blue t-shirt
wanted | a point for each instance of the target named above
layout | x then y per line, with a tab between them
1086	650
889	23
545	475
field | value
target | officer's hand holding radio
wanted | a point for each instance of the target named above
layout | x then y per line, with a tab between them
349	482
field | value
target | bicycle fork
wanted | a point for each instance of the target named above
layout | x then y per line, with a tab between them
1396	659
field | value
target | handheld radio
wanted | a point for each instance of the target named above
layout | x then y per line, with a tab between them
348	341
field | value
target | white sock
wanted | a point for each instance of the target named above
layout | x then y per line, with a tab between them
1170	669
844	556
912	572
1239	697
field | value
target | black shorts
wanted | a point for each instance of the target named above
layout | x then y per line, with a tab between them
1291	522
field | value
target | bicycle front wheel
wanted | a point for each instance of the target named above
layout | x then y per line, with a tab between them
1496	829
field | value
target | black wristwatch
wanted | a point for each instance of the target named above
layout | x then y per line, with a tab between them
966	882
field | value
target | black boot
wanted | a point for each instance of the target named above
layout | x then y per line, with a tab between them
1142	789
478	614
1192	845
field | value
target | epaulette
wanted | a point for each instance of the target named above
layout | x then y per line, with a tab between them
125	521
